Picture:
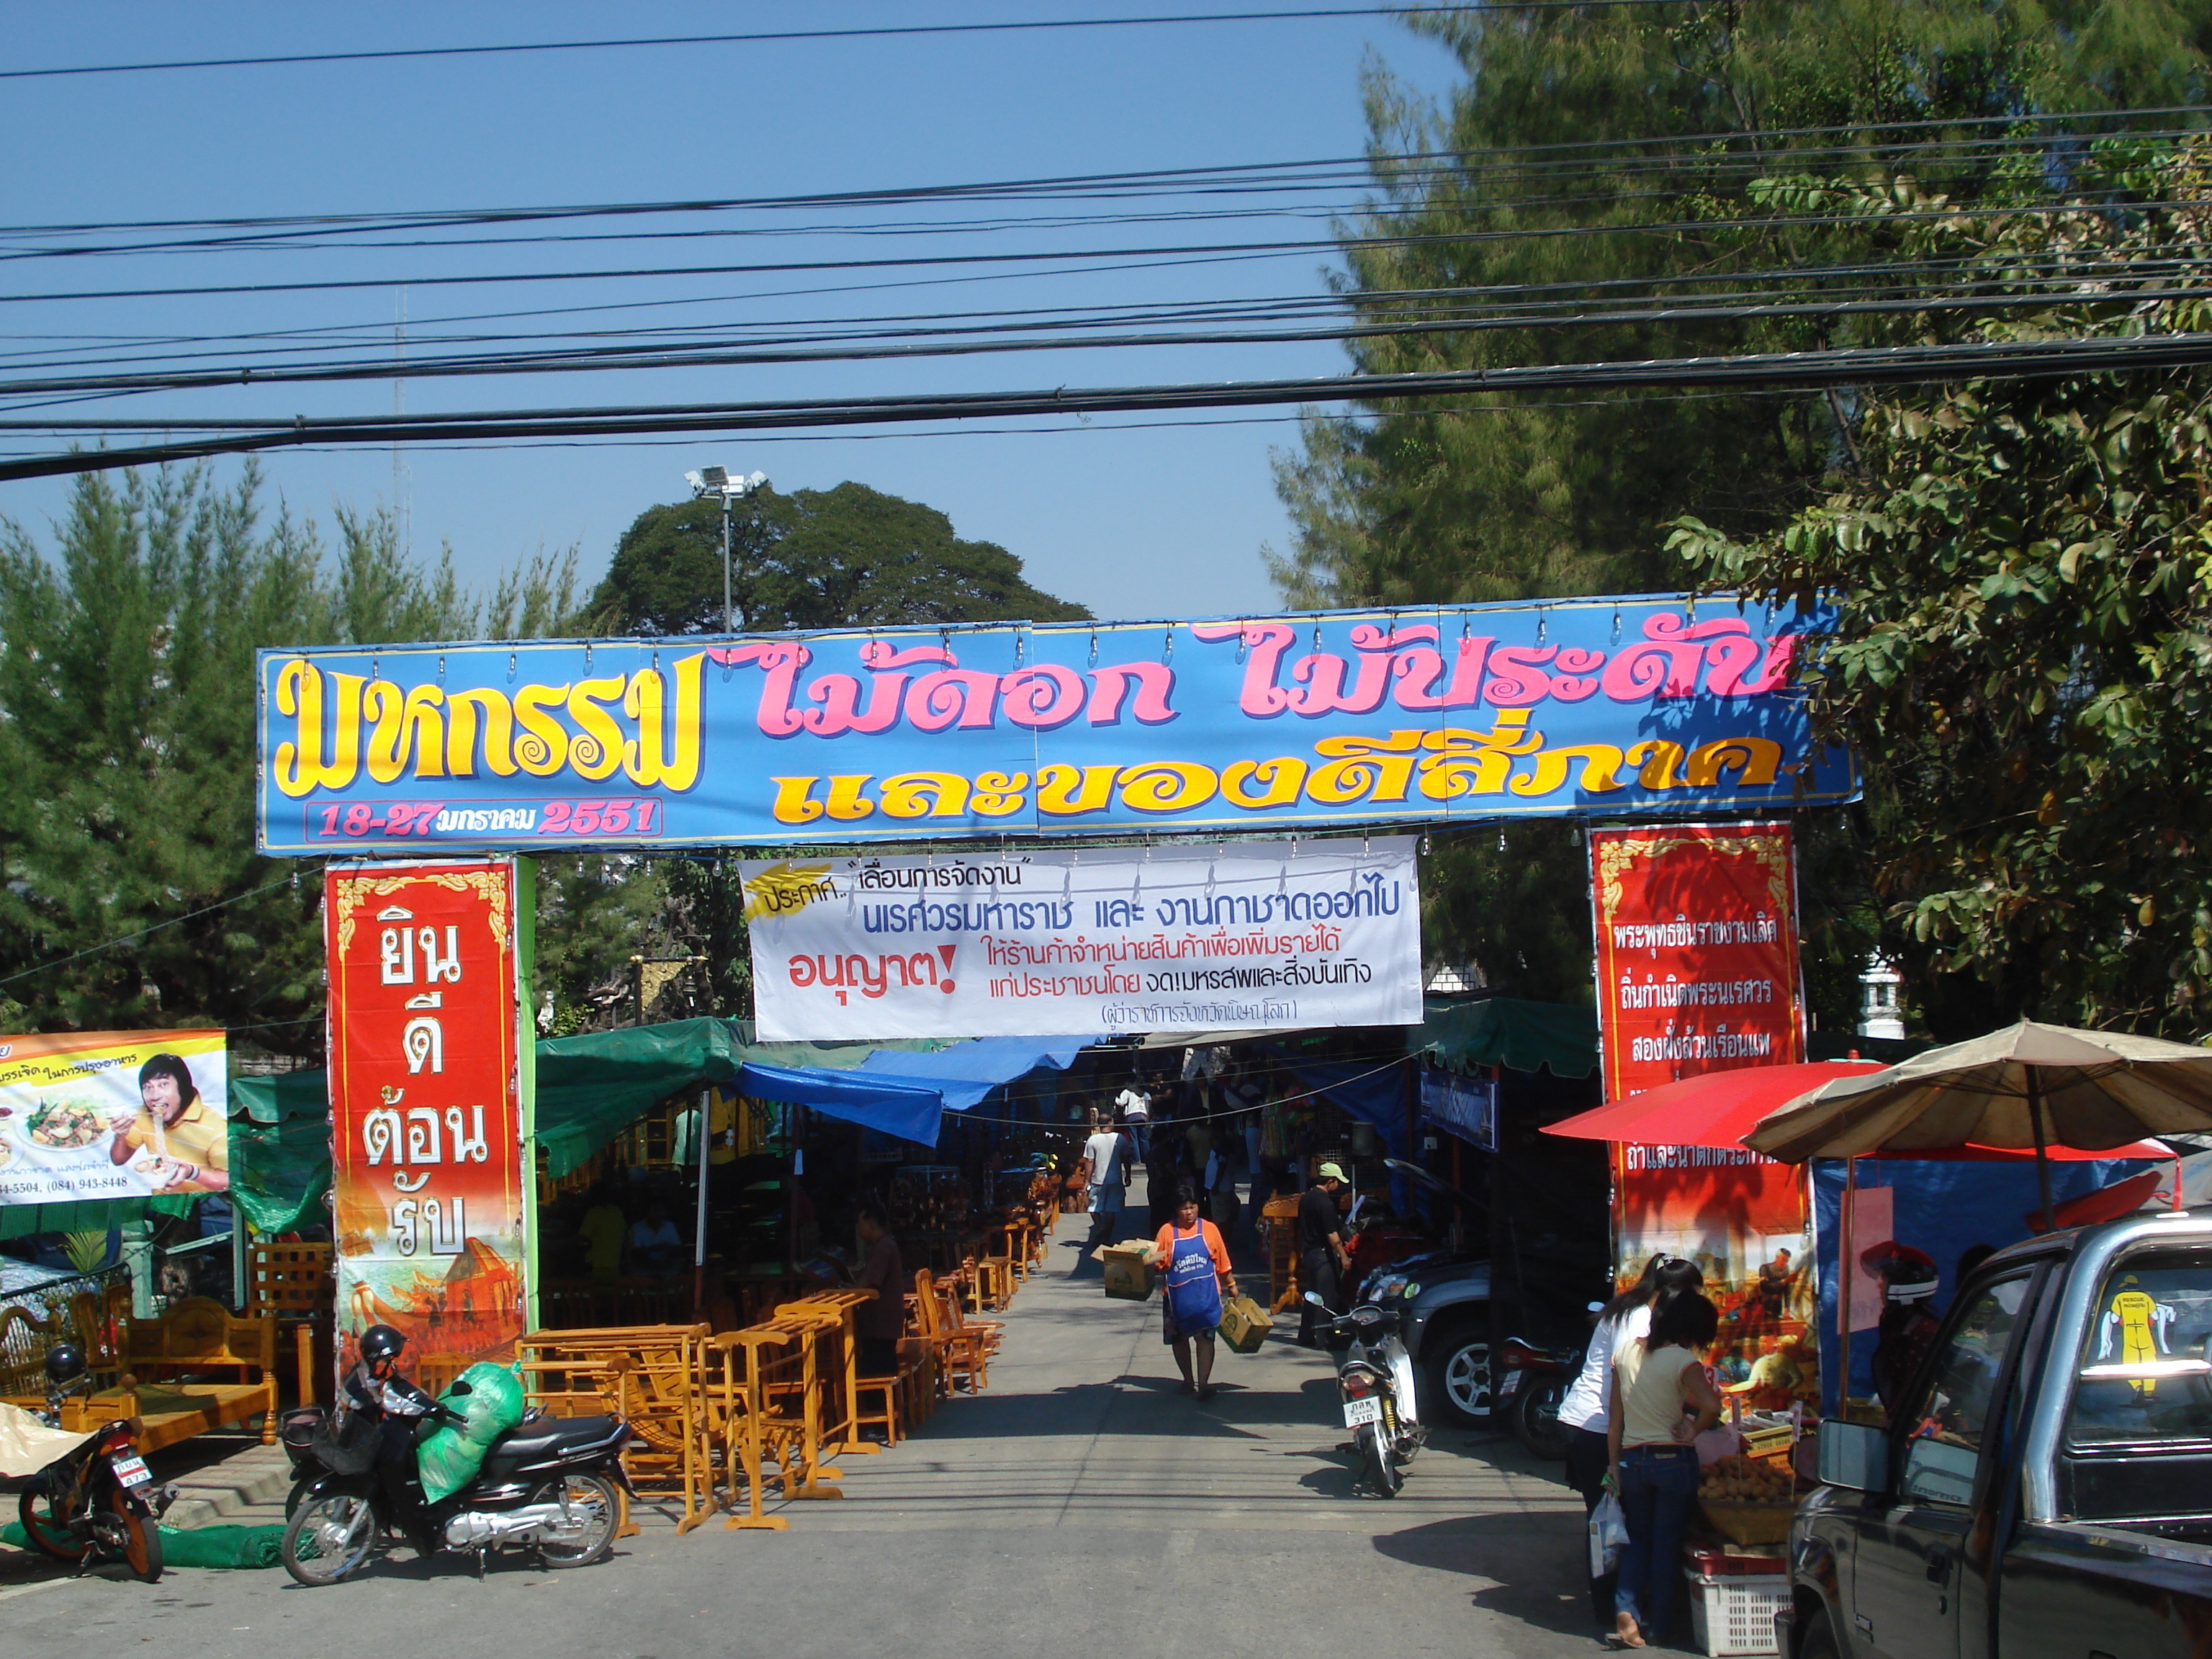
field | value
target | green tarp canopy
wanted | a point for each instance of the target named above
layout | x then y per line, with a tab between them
590	1087
1507	1031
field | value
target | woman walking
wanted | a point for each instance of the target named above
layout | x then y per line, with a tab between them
1627	1318
1661	1401
1197	1274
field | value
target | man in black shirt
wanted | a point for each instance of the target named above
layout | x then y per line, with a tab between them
1323	1256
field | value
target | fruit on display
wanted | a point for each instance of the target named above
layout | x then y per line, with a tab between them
1747	1480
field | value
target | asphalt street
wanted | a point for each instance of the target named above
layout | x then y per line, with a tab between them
1080	1502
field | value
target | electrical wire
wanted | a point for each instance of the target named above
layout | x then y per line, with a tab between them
768	37
1846	366
127	938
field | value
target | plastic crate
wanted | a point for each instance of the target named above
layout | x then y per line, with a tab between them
1734	1614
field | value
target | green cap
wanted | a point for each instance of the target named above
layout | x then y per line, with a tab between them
1333	1172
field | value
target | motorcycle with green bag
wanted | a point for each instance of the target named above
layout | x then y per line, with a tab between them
488	1478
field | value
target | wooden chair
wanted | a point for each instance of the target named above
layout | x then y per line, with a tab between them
24	1339
655	1379
1279	1225
741	1379
988	1333
794	1404
955	1353
297	1286
844	1380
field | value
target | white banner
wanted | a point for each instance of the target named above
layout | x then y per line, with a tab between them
1244	935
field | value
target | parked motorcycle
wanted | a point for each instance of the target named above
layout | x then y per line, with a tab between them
1375	1381
1537	1380
98	1503
552	1485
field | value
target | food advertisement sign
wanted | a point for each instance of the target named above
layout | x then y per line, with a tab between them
1612	706
425	1122
87	1115
1744	1220
1258	936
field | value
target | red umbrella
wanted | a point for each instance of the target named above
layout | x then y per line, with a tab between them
1718	1108
1714	1108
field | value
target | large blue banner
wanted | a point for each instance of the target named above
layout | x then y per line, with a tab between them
1588	708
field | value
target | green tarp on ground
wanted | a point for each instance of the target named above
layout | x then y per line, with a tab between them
1507	1031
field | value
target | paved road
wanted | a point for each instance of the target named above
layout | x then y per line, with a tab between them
1080	1502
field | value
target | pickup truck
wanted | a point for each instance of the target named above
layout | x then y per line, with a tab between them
2044	1488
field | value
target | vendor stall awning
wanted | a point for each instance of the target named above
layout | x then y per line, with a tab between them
906	1094
1508	1031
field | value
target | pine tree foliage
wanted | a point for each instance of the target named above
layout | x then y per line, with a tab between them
127	692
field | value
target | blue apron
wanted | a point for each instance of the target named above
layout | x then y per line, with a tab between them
1194	1289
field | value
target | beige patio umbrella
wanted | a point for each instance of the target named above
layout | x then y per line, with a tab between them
2028	1085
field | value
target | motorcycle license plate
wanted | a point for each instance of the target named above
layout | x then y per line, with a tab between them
1359	1412
131	1471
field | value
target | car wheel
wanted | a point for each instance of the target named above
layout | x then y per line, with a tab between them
1460	1380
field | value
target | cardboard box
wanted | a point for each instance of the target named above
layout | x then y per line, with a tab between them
1128	1275
1244	1324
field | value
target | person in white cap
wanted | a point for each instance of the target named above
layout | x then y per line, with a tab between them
1322	1255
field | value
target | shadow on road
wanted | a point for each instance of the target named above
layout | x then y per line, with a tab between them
1534	1561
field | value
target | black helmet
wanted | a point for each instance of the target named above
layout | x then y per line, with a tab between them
64	1362
380	1342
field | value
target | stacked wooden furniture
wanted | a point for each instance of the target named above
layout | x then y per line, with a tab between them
653	1377
296	1285
1279	1228
197	1367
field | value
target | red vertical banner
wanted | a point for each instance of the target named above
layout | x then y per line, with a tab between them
425	1131
1696	955
1696	951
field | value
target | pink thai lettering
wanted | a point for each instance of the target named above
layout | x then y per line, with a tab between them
1260	697
780	660
1665	665
1043	696
964	695
1518	680
840	694
1573	681
1155	681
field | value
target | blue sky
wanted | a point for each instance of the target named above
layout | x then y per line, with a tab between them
1133	523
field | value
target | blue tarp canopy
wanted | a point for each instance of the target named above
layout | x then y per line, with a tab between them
905	1094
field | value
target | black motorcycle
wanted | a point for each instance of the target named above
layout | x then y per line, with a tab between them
98	1503
553	1485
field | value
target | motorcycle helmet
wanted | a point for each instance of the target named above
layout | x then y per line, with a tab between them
379	1343
1907	1274
64	1362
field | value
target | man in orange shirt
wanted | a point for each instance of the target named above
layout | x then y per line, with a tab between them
1195	1277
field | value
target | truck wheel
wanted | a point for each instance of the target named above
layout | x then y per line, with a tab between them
1819	1641
1460	1381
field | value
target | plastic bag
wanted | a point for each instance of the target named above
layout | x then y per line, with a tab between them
1608	1535
449	1459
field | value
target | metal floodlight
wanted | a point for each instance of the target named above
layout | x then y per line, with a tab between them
698	484
713	477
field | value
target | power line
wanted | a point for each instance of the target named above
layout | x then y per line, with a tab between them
1841	367
128	938
1075	255
765	37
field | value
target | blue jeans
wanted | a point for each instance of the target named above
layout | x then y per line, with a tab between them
1658	1484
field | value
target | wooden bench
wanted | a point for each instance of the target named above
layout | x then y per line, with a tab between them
166	1363
195	1336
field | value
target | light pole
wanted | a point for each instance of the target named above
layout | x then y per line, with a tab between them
717	481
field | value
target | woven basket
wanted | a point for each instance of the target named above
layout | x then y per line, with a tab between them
1742	1522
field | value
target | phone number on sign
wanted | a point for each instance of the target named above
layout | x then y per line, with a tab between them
615	818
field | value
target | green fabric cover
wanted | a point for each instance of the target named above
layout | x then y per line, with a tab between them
198	1547
1507	1031
450	1458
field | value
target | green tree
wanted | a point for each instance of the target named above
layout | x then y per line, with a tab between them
1535	191
127	692
2025	655
813	559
